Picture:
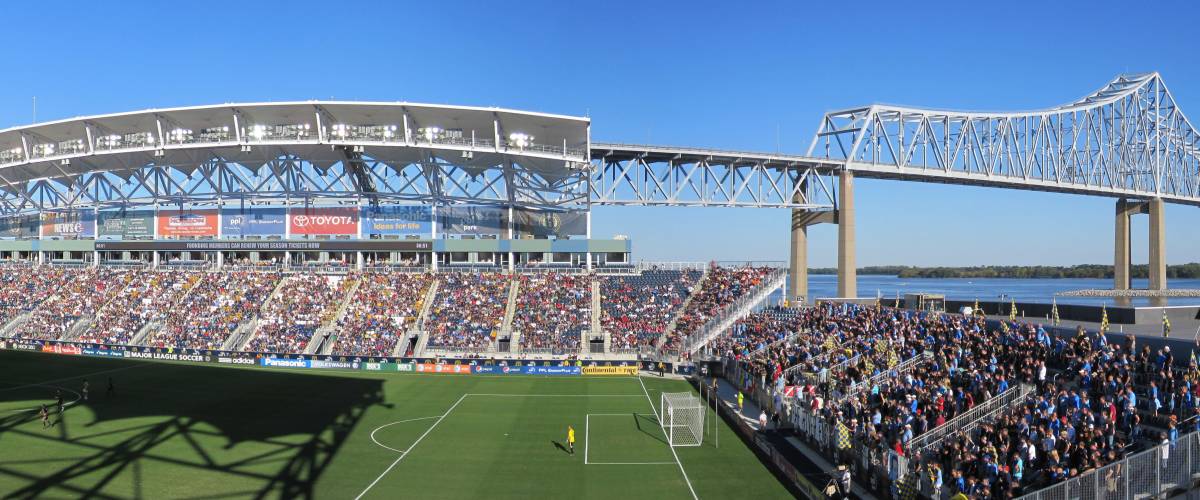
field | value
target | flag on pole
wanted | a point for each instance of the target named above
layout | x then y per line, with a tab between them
1054	310
1166	324
1103	320
1193	357
1012	312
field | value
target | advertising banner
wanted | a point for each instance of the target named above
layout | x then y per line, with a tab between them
103	351
610	370
235	360
398	220
166	356
326	221
285	363
187	223
551	370
79	224
388	367
471	220
125	224
496	370
62	349
24	226
546	223
343	365
442	368
237	223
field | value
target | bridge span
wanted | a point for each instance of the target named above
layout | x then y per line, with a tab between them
1128	140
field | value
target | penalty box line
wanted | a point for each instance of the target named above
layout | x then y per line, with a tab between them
587	425
455	405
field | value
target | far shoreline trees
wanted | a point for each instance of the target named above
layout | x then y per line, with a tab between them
1182	271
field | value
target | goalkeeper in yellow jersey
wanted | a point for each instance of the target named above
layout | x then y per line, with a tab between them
571	439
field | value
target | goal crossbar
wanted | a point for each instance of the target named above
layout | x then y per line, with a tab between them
682	418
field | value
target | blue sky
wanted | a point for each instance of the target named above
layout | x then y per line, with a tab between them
710	74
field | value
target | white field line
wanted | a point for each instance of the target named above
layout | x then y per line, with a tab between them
377	429
410	448
65	404
676	455
587	425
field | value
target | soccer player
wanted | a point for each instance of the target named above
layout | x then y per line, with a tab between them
112	390
45	414
59	397
85	389
571	439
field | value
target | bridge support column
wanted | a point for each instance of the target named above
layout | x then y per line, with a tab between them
847	286
1121	247
1158	245
798	263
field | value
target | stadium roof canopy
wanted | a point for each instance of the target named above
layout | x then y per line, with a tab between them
320	132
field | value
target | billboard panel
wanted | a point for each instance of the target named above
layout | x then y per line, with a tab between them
125	224
187	223
398	219
22	226
78	224
238	222
471	220
329	220
547	223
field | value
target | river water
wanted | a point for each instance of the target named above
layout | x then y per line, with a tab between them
1022	290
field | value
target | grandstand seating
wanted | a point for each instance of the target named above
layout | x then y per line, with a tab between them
213	309
635	310
304	302
145	297
553	310
467	311
382	310
72	295
720	288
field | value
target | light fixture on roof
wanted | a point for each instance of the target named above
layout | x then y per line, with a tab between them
520	140
180	135
430	133
339	130
258	132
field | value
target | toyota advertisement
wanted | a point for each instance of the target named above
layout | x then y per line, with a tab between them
239	223
174	223
79	224
323	221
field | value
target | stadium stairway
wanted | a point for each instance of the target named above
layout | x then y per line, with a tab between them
510	311
241	335
734	312
426	305
670	330
79	327
15	323
252	325
150	327
326	336
596	328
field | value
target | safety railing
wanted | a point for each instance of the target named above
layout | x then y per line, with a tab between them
906	366
970	420
724	320
1159	472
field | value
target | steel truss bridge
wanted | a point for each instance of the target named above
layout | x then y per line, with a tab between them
1128	139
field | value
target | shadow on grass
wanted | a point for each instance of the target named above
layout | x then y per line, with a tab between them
648	425
197	403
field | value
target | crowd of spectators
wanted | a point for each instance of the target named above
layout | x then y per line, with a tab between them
145	296
720	288
71	295
304	302
553	310
1092	401
213	309
383	309
636	310
468	310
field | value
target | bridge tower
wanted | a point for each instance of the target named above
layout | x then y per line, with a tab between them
843	216
1158	243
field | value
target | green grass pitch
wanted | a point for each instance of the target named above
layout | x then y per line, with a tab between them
202	431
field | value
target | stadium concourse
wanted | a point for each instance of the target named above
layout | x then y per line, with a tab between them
940	404
373	312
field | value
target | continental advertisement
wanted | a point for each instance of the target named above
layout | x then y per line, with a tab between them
610	370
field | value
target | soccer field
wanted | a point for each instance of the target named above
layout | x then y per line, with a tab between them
200	431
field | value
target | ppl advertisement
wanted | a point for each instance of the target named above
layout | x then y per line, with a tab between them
79	224
323	221
187	223
551	370
238	222
470	219
398	219
125	224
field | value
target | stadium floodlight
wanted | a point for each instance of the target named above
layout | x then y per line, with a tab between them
258	132
108	141
389	131
12	155
339	130
71	146
214	134
430	133
520	140
682	418
41	150
180	135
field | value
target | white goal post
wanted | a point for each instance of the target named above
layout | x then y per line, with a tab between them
682	418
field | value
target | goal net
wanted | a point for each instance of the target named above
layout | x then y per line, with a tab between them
682	418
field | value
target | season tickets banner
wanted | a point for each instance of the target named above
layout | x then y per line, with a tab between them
79	224
187	223
253	222
398	220
324	221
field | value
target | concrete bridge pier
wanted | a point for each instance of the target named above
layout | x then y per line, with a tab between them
847	286
797	291
1126	209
